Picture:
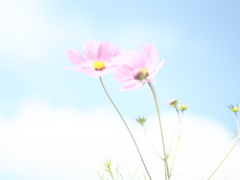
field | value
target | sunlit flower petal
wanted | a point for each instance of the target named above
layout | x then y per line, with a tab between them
75	57
135	85
100	58
138	68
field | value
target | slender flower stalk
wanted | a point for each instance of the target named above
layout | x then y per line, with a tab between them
111	174
175	154
175	133
224	157
178	129
238	125
154	149
126	127
142	121
108	168
167	174
238	138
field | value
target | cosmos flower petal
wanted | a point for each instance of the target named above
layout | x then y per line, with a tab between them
108	70
154	72
101	58
75	57
139	68
107	51
88	71
121	76
120	59
135	85
124	71
133	60
122	80
95	74
91	50
118	76
149	55
150	80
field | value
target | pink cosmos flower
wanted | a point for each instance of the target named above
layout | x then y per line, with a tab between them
139	68
100	58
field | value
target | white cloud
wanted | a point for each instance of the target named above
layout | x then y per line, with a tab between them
43	142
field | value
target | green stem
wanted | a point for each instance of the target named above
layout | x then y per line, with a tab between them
175	133
178	141
167	175
238	125
111	174
154	149
225	157
127	128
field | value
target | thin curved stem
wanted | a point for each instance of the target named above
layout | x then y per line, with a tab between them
167	175
127	128
175	133
154	149
238	125
178	141
225	157
111	174
230	149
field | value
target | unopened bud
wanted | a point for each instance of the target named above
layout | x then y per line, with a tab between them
108	170
182	107
234	108
173	102
108	164
141	120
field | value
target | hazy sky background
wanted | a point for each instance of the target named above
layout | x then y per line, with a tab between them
199	40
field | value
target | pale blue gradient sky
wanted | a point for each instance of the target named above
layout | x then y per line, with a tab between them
199	40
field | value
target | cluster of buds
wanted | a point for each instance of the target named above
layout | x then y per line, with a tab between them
174	103
107	165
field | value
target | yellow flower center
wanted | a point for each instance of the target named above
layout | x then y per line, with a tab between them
141	74
98	65
234	109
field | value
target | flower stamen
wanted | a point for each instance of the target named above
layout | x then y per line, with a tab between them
98	65
141	74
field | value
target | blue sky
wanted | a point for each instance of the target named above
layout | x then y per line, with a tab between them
198	39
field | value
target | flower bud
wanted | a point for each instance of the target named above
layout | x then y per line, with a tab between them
173	102
108	164
234	108
182	107
108	170
141	120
